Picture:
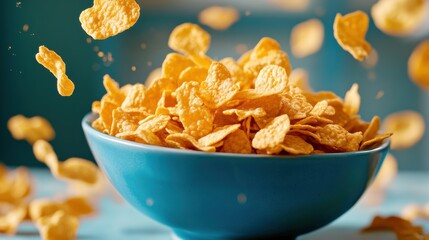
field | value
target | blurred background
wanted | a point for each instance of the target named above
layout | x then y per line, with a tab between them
29	89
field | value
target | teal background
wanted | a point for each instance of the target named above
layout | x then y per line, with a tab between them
28	88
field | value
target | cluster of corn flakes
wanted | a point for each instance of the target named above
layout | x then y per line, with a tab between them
55	219
402	228
244	106
15	189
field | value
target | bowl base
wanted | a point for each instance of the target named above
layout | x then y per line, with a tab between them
181	235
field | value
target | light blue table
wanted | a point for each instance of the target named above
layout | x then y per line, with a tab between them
120	221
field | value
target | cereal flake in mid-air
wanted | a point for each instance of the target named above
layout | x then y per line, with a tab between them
30	129
418	63
53	62
350	31
399	17
352	100
218	17
307	38
71	169
408	127
107	18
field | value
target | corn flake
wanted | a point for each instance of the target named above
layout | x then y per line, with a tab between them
218	135
219	87
54	63
193	73
418	65
272	79
60	225
108	18
296	145
218	17
307	38
10	220
196	118
30	129
237	142
408	128
336	137
401	227
352	100
350	31
399	17
72	169
186	141
272	134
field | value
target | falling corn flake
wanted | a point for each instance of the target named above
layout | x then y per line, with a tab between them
100	54
30	129
408	127
418	63
292	5
133	68
352	100
143	45
350	31
88	40
399	17
53	62
218	17
108	18
307	38
75	169
25	28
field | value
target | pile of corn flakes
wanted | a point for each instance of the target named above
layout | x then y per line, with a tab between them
244	106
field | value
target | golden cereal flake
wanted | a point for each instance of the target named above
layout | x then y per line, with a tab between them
107	18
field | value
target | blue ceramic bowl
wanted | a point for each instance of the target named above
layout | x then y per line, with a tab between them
232	196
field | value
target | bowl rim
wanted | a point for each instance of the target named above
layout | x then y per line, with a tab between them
90	117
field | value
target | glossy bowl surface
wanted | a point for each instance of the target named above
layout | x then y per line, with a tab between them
231	196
